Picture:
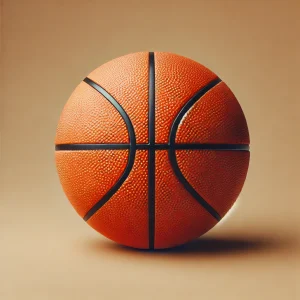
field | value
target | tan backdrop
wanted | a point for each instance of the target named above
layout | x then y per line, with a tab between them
47	48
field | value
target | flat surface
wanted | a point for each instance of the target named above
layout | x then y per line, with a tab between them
47	251
46	256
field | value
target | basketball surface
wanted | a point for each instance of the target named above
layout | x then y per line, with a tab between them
152	149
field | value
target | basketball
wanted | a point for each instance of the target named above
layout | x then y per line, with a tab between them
152	149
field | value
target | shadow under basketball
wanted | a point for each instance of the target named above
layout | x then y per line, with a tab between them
204	246
213	245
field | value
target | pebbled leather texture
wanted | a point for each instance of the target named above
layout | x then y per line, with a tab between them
178	217
124	218
86	176
218	176
126	79
89	118
176	80
217	119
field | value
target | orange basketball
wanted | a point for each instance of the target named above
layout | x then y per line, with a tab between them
152	149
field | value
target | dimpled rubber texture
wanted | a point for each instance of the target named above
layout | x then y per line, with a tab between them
176	80
89	118
224	173
216	119
178	217
87	175
124	218
126	79
132	215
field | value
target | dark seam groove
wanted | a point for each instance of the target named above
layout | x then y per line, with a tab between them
187	106
185	146
132	148
78	147
151	152
172	154
220	147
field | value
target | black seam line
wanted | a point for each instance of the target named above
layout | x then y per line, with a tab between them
132	148
151	152
172	154
80	147
182	146
187	106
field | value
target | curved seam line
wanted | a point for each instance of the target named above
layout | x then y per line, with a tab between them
172	155
132	149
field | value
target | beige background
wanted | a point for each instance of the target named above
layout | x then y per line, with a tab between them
47	48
